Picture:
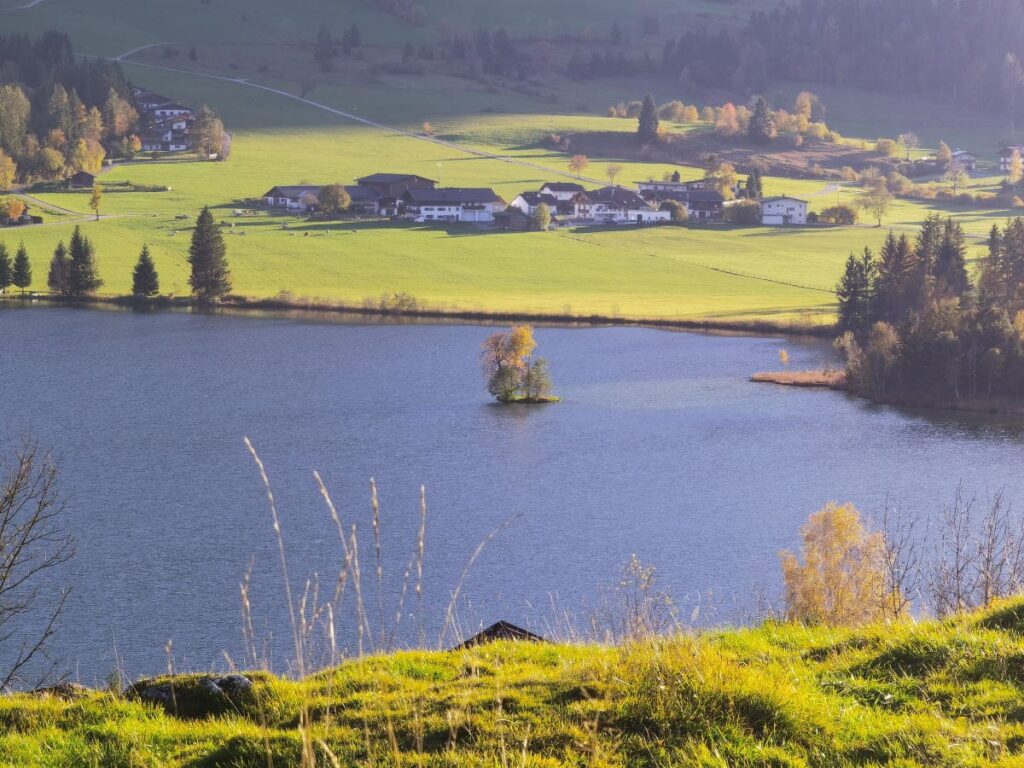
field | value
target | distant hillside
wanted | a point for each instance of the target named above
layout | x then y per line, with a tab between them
929	694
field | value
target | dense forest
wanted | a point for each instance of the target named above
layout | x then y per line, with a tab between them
59	114
967	50
917	330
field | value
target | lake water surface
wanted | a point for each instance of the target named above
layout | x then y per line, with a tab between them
661	448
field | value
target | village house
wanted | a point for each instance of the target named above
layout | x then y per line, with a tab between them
705	204
82	180
616	205
450	204
165	126
966	160
528	202
298	197
391	187
783	210
563	191
1006	157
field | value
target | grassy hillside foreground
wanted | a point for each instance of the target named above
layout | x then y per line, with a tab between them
937	694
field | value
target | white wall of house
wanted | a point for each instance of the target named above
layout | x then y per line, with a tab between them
562	197
783	211
649	216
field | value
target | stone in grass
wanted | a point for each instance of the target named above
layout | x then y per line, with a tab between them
195	696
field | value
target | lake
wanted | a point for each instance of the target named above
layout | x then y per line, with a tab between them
661	447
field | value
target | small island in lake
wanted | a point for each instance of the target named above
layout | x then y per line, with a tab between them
513	375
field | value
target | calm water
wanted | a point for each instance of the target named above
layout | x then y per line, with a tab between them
660	448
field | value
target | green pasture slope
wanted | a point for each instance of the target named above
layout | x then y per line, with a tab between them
679	273
944	695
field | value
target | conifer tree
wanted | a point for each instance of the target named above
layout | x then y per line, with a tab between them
145	281
647	128
855	293
57	278
762	125
6	276
21	275
210	278
82	275
951	261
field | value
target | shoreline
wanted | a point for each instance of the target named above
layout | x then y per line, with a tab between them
241	305
836	381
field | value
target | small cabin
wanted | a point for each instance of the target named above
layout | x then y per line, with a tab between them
502	630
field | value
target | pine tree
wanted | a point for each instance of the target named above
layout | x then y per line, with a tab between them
21	275
82	275
755	186
855	294
6	276
145	281
57	278
895	271
951	261
762	125
647	128
210	278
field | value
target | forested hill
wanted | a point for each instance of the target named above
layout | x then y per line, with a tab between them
958	49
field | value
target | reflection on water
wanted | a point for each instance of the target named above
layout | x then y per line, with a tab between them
661	447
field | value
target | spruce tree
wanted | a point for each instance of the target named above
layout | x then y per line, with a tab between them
210	278
57	279
855	294
762	125
951	261
6	277
145	281
82	276
647	128
21	275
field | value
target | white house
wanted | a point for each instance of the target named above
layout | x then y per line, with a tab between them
452	205
528	202
1006	157
966	160
782	210
562	191
615	205
171	110
293	198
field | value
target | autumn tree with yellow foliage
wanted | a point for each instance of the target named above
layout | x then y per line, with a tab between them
842	579
513	376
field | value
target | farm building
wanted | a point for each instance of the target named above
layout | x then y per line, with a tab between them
966	160
1006	157
615	205
451	205
299	197
563	191
705	204
782	210
82	180
528	202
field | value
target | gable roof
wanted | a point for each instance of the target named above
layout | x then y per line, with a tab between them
362	194
563	186
617	196
294	192
536	198
776	198
704	196
451	196
391	178
502	630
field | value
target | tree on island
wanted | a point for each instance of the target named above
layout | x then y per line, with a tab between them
83	278
210	278
513	375
647	123
57	278
21	275
145	281
6	276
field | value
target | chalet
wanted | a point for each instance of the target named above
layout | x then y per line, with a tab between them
82	180
705	204
1006	157
147	101
615	205
966	160
783	210
293	198
168	134
528	202
394	185
502	630
451	204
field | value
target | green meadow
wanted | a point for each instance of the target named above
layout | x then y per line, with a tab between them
695	272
